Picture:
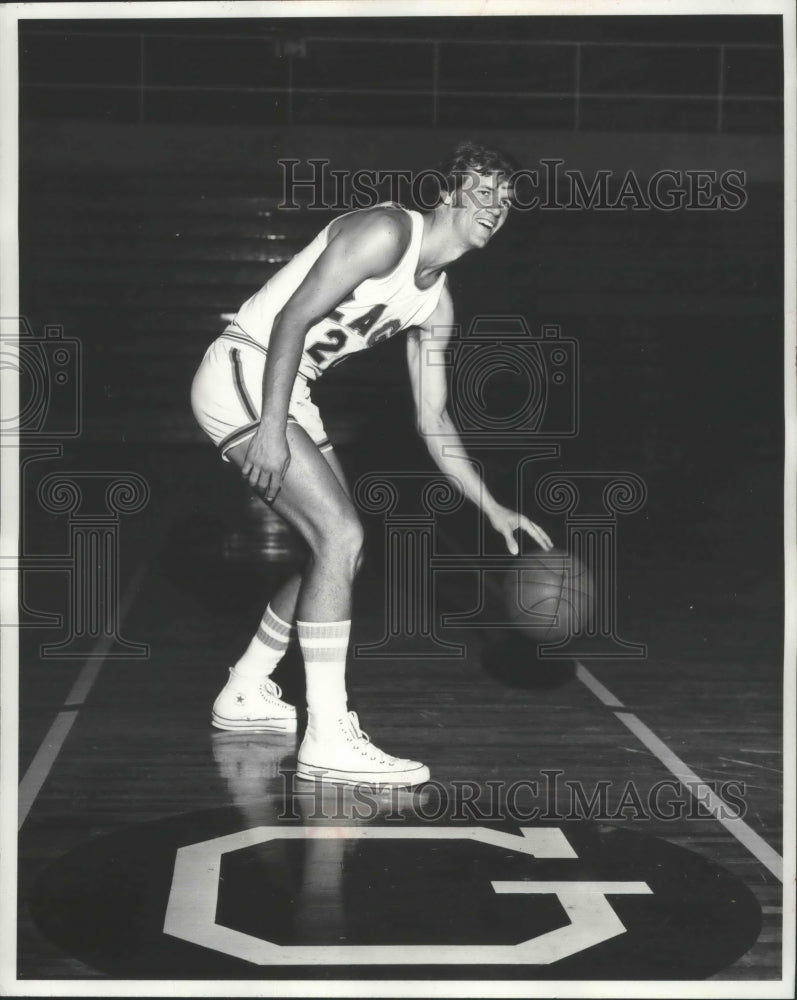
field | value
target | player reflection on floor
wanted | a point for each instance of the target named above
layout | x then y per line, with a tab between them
259	775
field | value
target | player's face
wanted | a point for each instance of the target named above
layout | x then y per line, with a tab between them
485	201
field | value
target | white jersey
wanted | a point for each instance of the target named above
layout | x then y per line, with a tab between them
377	309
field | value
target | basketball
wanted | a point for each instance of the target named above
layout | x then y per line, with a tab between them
548	596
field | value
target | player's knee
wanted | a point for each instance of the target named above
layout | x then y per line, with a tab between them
349	540
340	540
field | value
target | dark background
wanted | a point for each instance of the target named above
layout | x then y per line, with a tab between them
149	193
379	72
149	186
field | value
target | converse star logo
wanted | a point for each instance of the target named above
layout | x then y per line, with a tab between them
240	699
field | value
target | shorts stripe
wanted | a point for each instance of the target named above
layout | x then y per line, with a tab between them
223	402
240	387
238	435
243	339
248	341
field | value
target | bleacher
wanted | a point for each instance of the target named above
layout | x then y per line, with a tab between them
143	271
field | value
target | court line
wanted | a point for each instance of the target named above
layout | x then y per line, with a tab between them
693	784
602	693
51	745
42	762
746	836
47	753
88	674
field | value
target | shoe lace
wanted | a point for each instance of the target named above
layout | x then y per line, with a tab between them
360	734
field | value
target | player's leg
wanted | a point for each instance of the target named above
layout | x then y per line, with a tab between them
283	602
224	398
222	403
277	626
274	633
317	505
250	701
270	642
333	462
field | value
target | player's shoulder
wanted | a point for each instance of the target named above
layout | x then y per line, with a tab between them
385	228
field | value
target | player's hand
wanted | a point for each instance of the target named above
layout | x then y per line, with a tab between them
506	522
265	464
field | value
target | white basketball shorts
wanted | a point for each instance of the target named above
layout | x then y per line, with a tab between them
228	387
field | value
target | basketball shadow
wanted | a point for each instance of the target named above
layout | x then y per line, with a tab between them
515	660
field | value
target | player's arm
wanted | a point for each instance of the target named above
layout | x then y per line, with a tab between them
364	246
440	433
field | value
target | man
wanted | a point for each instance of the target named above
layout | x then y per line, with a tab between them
365	277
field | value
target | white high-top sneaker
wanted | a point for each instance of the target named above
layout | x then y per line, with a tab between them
345	755
253	706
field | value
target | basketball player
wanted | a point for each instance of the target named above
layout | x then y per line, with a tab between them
368	275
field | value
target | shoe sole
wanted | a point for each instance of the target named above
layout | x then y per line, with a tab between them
401	779
254	725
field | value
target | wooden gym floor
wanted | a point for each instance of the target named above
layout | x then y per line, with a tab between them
119	766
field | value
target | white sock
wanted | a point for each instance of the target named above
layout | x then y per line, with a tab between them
266	649
324	646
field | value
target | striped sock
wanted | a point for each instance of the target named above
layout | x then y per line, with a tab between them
324	646
266	649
